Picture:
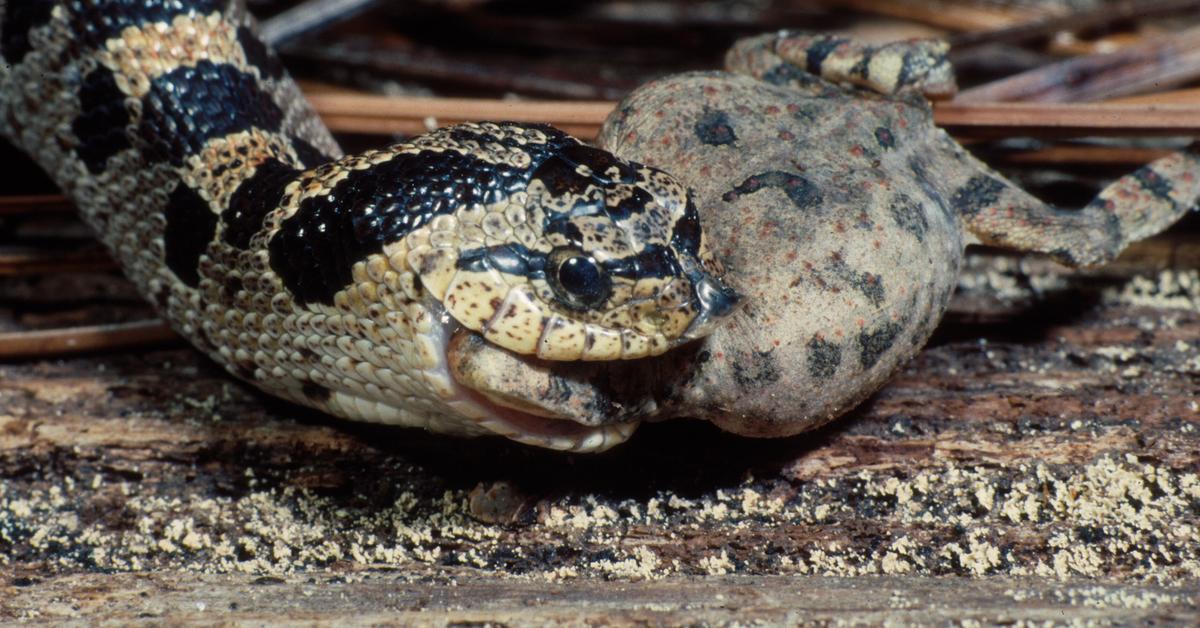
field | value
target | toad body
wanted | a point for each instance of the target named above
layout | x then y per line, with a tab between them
841	212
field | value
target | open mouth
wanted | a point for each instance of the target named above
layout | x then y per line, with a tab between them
510	395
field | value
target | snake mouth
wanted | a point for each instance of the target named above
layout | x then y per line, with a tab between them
551	432
518	412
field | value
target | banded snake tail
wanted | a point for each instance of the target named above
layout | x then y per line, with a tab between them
338	281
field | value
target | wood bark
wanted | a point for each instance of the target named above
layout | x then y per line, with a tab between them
1038	461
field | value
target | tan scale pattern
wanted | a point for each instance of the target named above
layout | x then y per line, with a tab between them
378	353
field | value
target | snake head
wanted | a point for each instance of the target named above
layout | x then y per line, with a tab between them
595	259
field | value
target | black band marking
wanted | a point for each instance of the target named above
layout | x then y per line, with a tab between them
191	224
315	250
604	165
20	19
188	106
561	177
101	125
309	156
253	200
259	55
819	51
97	22
316	392
685	236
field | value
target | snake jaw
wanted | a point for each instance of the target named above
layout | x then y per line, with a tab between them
520	417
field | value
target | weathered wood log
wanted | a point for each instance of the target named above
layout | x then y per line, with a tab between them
1043	453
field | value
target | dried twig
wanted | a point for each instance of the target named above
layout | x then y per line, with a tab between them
367	113
32	261
955	17
1075	120
310	16
1079	155
1148	66
1105	15
52	342
15	205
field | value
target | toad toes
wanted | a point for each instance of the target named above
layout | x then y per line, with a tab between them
841	212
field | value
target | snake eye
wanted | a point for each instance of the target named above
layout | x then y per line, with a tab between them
579	281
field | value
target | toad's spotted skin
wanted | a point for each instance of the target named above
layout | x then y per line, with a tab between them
843	214
338	282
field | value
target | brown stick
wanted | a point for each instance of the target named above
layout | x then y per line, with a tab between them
1080	155
359	112
1054	120
54	342
949	16
29	261
1136	69
1164	114
14	205
1106	15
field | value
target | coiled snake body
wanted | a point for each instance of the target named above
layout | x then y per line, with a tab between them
337	282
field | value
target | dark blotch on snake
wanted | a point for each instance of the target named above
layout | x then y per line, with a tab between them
258	55
101	124
315	249
308	154
253	200
603	164
685	236
653	261
819	51
21	18
101	21
634	204
316	392
191	225
190	105
562	178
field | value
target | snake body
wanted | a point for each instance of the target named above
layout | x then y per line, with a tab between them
338	281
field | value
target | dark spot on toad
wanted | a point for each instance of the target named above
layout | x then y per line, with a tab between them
1154	183
875	343
823	358
715	129
976	195
909	216
759	370
803	194
884	136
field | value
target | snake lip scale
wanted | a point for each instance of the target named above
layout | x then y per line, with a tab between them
341	282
